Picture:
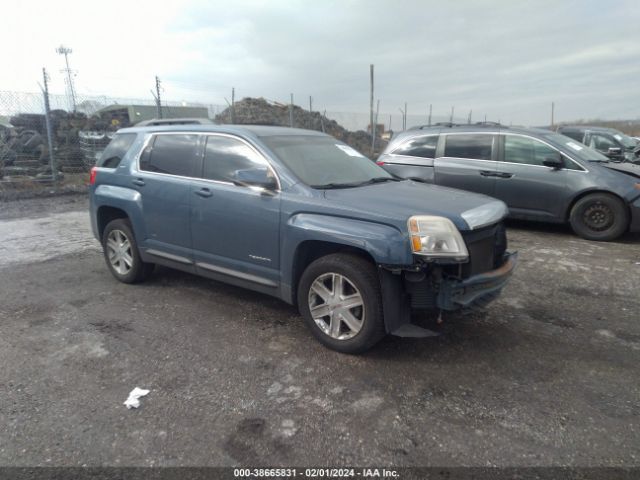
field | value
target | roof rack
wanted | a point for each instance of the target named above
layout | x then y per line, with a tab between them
155	122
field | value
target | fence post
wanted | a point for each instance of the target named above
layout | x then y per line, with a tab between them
291	112
324	114
374	129
47	117
233	105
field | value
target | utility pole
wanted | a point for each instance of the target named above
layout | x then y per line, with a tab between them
324	114
405	115
374	129
389	129
291	112
156	95
430	109
310	103
62	50
469	119
552	113
371	98
451	117
485	118
233	105
47	117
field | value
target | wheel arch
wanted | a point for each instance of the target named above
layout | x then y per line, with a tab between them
106	214
308	251
586	193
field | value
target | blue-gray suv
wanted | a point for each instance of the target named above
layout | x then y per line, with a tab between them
541	175
301	216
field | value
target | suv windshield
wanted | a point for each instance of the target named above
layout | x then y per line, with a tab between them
577	150
324	162
628	142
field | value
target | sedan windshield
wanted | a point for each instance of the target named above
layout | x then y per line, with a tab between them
576	149
324	162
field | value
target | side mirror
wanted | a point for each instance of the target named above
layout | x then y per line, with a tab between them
614	152
255	177
554	161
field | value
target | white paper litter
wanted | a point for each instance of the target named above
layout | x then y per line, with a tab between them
134	397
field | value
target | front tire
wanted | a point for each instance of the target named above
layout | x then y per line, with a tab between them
599	216
121	252
339	298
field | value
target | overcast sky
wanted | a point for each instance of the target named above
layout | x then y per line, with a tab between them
506	59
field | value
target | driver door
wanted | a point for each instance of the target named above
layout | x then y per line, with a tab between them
235	229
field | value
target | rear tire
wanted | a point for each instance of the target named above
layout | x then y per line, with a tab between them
599	216
121	252
343	291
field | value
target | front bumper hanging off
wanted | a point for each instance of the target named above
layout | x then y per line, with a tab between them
478	289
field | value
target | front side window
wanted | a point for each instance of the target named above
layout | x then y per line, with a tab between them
116	150
525	150
424	147
173	154
472	146
602	142
224	155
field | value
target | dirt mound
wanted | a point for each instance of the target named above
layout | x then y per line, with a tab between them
258	111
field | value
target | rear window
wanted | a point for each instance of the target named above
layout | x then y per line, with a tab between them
477	147
116	150
423	147
174	154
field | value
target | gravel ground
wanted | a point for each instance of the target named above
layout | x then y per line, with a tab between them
547	376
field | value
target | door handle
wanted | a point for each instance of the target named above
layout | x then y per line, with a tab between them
204	193
139	182
487	173
504	175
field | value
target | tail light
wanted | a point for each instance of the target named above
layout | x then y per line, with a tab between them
92	175
380	163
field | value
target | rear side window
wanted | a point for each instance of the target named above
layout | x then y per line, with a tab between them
223	156
174	154
116	150
477	147
424	147
526	150
579	136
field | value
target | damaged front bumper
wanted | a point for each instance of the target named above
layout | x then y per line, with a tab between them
478	289
440	293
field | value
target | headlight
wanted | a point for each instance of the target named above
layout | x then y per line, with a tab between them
436	237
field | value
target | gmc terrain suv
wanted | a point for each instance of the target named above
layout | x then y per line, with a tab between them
541	175
301	216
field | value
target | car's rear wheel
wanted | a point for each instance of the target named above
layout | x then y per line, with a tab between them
599	216
121	252
340	300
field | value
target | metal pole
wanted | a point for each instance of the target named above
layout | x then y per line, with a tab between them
62	50
405	115
324	114
371	97
552	113
451	117
390	116
430	109
158	102
374	129
485	118
310	103
233	105
47	117
469	119
291	112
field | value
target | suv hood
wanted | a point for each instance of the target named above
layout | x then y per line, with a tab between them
628	168
401	200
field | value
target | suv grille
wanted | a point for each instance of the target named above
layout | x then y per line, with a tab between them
486	249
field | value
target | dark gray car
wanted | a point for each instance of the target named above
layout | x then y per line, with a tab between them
608	141
541	175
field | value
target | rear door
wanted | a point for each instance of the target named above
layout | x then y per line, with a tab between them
163	179
529	188
467	161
